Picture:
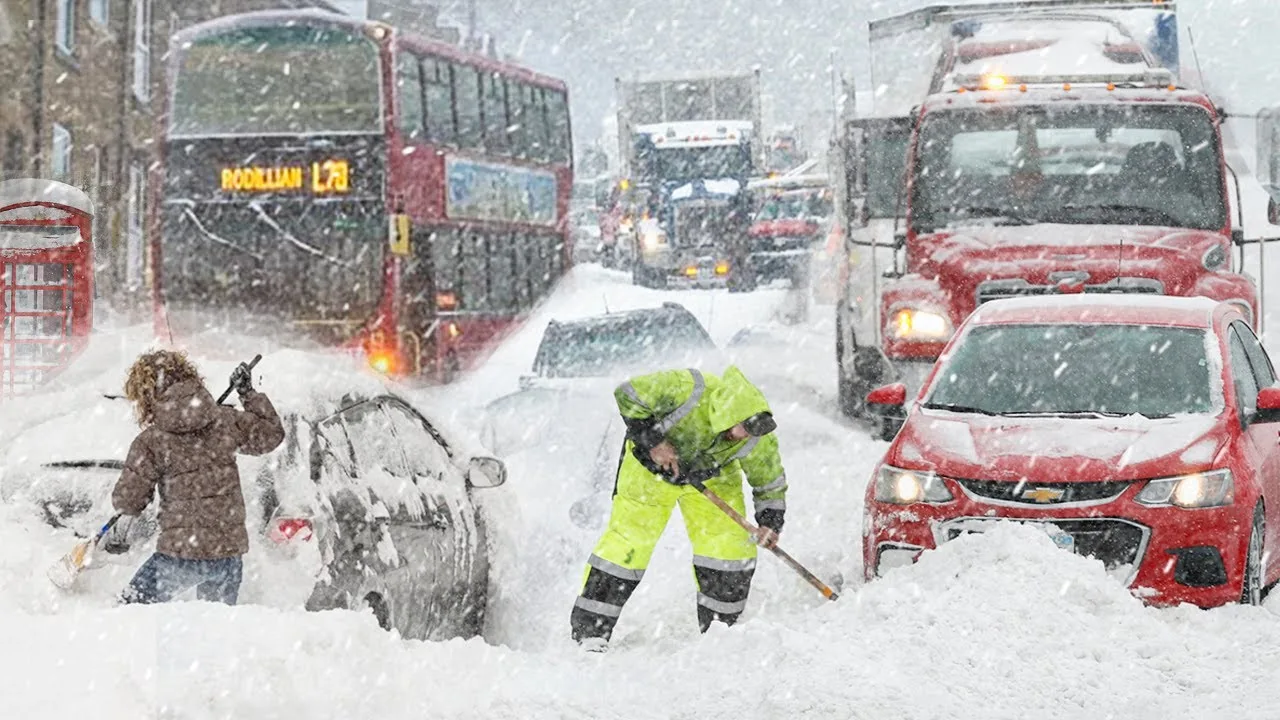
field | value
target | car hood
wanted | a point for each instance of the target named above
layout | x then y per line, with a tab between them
1058	449
1023	251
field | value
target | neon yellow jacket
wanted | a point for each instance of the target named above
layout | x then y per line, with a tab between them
691	410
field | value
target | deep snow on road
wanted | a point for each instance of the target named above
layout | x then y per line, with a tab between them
1002	625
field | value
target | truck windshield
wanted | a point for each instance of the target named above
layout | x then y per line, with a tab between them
277	79
1110	165
1078	370
721	161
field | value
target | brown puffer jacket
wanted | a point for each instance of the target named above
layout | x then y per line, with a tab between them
189	453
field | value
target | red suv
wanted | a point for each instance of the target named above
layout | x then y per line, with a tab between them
1141	431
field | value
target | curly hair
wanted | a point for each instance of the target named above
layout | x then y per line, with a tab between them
153	373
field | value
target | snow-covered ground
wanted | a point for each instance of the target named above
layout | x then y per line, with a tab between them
1000	625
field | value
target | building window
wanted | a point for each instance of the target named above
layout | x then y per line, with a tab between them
142	49
137	211
60	165
66	26
100	11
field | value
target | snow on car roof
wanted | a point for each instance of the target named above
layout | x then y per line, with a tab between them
13	192
1099	308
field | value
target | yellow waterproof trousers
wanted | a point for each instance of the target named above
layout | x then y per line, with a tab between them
724	557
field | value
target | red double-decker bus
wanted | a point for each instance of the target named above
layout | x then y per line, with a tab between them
341	181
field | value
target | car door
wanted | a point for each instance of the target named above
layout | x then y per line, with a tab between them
456	545
1266	439
382	476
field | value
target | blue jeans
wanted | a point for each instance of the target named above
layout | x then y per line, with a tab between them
162	577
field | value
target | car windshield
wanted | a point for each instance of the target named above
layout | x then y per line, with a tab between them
597	348
1092	164
1078	370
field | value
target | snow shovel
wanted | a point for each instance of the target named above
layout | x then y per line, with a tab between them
227	393
719	502
64	572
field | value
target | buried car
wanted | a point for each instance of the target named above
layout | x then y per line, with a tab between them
1140	431
579	362
368	481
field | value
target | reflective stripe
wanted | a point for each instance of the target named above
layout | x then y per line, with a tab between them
629	390
779	484
614	569
770	505
745	450
597	607
724	565
668	422
724	608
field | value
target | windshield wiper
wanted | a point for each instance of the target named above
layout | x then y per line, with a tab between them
1114	213
1079	413
960	409
1001	216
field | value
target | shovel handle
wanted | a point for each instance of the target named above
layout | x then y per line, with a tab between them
227	393
791	562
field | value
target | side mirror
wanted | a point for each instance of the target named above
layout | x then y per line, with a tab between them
1268	405
486	472
886	397
1273	212
887	407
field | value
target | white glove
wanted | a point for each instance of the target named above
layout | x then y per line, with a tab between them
116	541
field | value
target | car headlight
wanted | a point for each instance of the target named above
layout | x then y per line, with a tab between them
1201	490
914	324
904	487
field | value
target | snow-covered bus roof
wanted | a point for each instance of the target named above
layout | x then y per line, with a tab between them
15	192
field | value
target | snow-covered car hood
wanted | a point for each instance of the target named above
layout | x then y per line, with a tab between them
1058	449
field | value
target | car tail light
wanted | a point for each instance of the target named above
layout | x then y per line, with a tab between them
287	529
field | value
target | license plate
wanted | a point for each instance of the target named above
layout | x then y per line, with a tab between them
1060	538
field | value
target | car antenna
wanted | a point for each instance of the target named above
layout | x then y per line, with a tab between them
605	297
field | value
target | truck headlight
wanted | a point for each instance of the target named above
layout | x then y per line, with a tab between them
651	240
904	487
1215	258
916	324
1201	490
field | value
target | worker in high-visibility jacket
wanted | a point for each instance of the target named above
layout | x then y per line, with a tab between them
685	421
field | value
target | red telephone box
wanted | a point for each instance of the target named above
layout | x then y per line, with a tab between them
46	281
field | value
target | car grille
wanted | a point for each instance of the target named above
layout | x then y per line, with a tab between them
1017	287
1053	493
1117	543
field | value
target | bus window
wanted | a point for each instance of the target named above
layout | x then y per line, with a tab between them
502	273
438	82
466	83
558	126
536	118
409	88
495	113
520	260
515	119
446	257
475	273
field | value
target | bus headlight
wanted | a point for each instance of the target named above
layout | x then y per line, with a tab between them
916	324
651	240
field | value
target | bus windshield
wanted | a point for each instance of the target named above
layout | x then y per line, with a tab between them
1149	165
294	79
690	163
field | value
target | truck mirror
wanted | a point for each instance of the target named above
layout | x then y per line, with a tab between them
1273	212
1268	157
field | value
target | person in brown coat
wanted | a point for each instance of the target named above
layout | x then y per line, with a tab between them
187	451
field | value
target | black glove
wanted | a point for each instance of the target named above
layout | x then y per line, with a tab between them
116	541
242	379
771	518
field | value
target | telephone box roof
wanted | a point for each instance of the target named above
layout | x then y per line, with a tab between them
16	192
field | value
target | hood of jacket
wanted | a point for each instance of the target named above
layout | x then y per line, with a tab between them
184	407
734	399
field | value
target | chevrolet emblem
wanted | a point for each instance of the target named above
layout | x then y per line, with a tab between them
1043	494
